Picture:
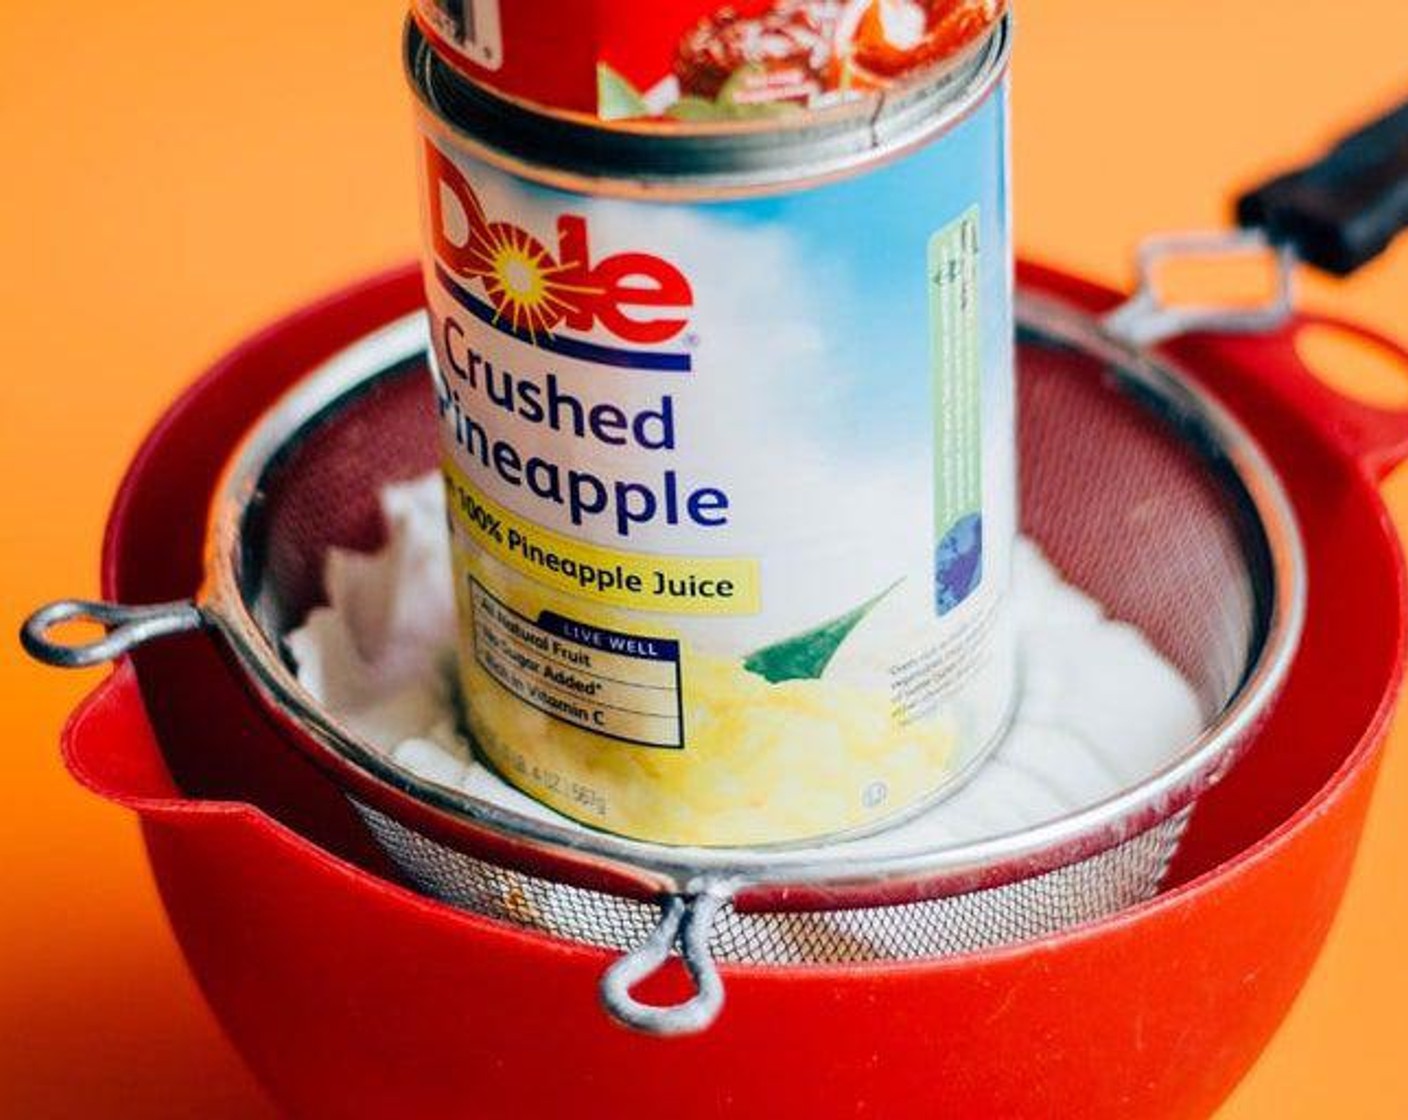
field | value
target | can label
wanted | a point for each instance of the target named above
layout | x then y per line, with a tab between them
472	29
699	60
730	487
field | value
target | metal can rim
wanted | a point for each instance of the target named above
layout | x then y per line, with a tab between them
860	106
574	153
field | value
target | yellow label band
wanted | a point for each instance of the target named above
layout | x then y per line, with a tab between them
704	585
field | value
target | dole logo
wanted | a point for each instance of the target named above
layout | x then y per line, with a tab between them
533	290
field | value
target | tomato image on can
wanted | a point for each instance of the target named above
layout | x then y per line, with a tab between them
727	419
692	60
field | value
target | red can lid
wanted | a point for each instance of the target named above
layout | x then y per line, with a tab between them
699	60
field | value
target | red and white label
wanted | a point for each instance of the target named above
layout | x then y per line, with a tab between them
700	60
473	29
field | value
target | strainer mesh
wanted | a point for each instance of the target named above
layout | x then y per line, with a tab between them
1115	879
1128	501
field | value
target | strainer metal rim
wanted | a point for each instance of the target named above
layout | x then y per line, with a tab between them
793	876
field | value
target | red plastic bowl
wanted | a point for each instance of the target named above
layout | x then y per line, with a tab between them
350	996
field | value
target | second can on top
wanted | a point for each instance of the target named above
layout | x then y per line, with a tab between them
700	62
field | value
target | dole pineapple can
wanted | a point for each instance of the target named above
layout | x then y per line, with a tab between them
728	441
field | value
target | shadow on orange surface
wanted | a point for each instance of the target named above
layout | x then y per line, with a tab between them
111	1025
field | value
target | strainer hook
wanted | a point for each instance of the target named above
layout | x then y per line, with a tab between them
124	628
686	921
1146	320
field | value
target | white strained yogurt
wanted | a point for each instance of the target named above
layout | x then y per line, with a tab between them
1099	710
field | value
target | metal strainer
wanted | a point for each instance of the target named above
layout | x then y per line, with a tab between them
1141	490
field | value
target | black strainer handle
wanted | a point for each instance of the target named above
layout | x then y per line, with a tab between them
1341	211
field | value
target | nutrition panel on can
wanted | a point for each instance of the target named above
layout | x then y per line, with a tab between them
731	487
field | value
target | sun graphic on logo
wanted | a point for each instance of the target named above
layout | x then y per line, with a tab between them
523	280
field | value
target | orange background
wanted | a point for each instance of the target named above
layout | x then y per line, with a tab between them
176	174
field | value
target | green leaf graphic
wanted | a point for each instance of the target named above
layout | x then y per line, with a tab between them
804	656
732	97
616	98
696	109
728	106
